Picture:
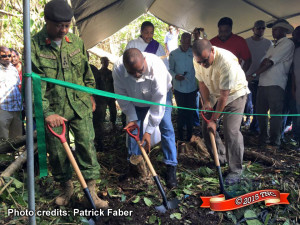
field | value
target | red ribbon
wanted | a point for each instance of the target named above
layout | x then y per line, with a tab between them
270	196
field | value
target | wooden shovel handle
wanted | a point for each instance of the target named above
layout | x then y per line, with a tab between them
146	157
74	164
214	148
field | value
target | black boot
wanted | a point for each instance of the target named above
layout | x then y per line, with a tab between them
171	176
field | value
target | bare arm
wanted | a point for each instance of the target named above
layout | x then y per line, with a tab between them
205	95
247	65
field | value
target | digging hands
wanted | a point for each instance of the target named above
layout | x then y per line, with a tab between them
55	120
147	140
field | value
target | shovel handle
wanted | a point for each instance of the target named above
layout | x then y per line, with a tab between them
62	136
214	148
145	156
132	128
203	115
69	153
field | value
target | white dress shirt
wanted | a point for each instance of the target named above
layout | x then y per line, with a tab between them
281	53
141	45
152	86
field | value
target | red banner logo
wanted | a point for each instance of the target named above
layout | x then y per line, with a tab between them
218	202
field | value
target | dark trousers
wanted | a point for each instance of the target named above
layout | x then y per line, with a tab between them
253	86
185	117
270	98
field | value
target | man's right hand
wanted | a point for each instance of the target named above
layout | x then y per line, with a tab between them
130	124
55	120
206	106
179	77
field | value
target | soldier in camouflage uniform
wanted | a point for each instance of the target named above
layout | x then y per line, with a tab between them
60	55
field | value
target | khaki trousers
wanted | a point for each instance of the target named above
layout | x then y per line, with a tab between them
233	150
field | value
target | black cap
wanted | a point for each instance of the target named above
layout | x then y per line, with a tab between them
58	11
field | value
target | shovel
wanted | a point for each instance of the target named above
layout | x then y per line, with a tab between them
216	158
86	190
173	204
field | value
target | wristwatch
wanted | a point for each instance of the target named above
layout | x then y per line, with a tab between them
254	75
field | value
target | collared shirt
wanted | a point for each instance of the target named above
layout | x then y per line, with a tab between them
224	74
235	44
152	86
68	63
10	95
281	53
182	63
141	45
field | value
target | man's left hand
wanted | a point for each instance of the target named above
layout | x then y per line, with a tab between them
147	139
93	103
212	126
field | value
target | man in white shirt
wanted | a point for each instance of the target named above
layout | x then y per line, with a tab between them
146	43
273	75
171	39
223	85
144	76
258	46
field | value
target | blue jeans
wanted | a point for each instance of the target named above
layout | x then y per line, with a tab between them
167	134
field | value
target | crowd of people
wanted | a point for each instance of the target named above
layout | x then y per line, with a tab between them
227	73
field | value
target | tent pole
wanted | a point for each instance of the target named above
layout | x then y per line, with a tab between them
29	117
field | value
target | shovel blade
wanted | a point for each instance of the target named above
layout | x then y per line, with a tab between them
173	204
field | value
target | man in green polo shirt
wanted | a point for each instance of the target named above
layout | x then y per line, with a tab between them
61	55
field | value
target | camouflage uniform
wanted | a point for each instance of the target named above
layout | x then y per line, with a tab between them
68	63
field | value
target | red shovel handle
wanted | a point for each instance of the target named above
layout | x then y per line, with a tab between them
132	128
203	115
62	136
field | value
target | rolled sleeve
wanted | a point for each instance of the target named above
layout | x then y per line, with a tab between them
127	107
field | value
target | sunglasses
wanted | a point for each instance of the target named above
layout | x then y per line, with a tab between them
260	28
5	56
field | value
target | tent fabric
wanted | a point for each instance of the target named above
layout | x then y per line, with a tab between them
98	20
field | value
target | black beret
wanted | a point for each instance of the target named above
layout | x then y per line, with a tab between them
58	11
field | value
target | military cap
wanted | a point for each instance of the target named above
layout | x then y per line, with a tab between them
58	11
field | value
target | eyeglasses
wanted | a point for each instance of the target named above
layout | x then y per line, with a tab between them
5	56
260	28
204	61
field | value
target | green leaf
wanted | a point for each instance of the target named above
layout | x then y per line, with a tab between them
211	180
187	191
176	215
147	201
232	217
204	171
251	214
267	219
18	184
152	219
137	199
84	221
123	198
287	222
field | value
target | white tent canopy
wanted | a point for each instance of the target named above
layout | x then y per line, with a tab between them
98	20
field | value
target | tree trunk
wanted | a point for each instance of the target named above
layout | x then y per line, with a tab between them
11	145
16	165
255	156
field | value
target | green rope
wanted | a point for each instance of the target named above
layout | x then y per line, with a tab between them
39	116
